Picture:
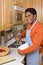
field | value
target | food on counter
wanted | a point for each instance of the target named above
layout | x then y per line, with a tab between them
4	50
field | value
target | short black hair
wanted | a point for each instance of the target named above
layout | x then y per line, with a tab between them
31	10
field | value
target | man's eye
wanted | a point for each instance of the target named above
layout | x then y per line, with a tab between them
27	16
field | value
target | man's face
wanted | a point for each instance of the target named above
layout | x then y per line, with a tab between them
30	17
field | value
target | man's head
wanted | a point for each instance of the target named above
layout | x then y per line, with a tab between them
31	15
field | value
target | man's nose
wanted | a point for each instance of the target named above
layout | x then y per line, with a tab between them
27	18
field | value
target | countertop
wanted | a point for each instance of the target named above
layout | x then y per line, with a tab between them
14	53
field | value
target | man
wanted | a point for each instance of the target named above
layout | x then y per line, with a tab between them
33	35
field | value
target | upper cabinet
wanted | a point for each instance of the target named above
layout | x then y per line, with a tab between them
21	3
1	15
38	5
18	3
6	8
6	12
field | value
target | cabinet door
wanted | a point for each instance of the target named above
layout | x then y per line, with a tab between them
38	5
1	15
38	8
29	3
42	12
8	14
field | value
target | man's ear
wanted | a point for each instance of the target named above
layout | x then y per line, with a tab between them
35	16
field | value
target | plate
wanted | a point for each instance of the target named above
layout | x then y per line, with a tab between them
4	50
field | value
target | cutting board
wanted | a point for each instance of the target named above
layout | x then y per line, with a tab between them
6	59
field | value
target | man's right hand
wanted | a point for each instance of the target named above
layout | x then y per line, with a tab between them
18	38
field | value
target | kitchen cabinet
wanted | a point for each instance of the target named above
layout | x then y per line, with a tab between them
19	3
38	5
6	12
6	7
1	15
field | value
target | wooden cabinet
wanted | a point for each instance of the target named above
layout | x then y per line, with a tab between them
19	3
42	11
6	12
38	5
1	15
6	17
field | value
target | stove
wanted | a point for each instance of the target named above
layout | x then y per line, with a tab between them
15	44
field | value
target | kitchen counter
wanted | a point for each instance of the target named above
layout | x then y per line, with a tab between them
14	53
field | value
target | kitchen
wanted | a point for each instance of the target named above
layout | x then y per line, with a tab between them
8	27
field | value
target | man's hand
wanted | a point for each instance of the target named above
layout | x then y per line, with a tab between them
18	38
20	51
